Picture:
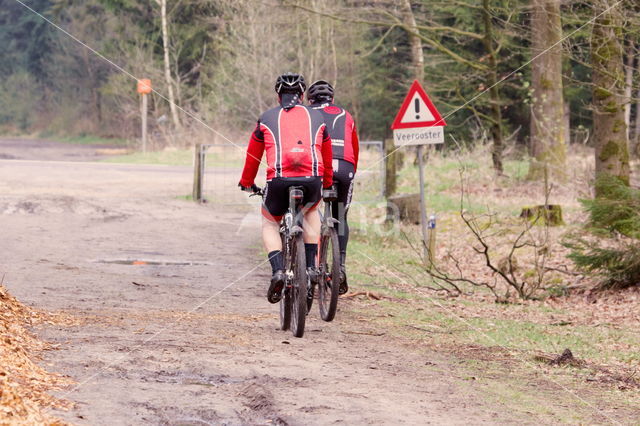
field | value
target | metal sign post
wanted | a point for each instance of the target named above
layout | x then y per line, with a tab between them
145	107
419	123
423	208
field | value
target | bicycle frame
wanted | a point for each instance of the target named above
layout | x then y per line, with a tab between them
292	220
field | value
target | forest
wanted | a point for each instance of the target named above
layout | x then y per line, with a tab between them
532	79
528	282
217	60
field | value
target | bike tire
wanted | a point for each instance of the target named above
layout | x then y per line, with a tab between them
330	274
299	287
285	302
285	310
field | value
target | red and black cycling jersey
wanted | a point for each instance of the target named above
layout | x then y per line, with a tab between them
342	130
296	142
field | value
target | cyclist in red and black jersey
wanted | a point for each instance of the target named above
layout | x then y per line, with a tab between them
344	138
298	153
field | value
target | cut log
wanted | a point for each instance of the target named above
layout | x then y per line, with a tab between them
407	206
550	214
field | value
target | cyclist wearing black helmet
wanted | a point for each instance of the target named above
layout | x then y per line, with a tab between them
344	137
298	153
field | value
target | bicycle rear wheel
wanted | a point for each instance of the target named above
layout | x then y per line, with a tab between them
329	285
299	287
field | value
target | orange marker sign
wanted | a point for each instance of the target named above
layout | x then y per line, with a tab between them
144	86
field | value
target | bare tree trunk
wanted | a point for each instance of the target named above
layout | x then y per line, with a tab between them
494	94
93	86
628	85
609	128
637	130
334	54
548	136
417	55
567	123
167	68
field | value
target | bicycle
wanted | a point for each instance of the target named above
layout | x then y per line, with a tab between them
328	262
293	304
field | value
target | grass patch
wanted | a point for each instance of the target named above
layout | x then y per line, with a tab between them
494	357
183	157
169	158
383	264
382	261
89	140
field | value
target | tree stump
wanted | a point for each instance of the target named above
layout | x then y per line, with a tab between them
407	206
550	214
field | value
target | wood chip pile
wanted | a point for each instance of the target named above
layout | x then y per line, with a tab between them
23	383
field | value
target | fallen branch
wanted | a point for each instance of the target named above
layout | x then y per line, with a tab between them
365	333
565	358
367	294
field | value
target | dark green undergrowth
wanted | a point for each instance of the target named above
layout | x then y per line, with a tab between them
610	245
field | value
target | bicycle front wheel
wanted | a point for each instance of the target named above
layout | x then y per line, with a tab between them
285	302
329	285
299	286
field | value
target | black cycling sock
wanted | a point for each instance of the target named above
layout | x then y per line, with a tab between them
343	257
310	252
275	258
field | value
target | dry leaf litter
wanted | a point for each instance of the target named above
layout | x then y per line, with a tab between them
24	385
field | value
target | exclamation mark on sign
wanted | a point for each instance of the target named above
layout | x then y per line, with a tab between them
416	104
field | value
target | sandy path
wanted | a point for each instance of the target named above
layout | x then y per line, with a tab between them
145	354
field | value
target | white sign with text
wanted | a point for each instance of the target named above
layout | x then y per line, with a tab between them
418	136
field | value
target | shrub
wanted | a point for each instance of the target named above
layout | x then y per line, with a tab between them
617	209
611	247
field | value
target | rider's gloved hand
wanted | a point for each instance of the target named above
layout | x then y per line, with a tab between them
253	188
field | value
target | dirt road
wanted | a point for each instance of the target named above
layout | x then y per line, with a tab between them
188	337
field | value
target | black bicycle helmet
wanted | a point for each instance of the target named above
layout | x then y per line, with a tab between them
320	91
290	82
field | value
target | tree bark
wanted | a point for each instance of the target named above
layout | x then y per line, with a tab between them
609	128
548	133
417	55
494	94
167	68
637	129
628	85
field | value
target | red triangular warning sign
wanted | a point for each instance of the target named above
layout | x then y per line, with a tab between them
417	110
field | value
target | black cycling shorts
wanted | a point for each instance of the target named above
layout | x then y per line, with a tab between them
276	198
343	174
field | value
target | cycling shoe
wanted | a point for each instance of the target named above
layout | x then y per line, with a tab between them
274	294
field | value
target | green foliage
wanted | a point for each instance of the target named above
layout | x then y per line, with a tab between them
386	83
616	209
612	250
25	38
619	266
224	56
18	96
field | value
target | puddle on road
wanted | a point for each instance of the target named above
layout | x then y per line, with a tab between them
144	262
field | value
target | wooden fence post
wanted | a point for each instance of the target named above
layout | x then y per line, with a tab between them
390	168
197	173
